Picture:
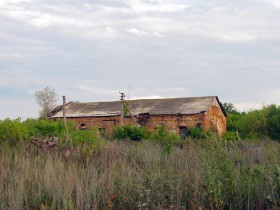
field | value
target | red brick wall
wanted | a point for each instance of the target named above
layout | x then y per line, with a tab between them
170	122
102	122
213	118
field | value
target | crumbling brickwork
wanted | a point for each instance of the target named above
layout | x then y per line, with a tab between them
213	119
205	112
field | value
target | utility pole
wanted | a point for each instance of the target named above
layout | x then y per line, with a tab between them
122	108
64	111
64	117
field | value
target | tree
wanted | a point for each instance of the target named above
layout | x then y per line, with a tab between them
230	109
233	116
46	99
273	121
253	124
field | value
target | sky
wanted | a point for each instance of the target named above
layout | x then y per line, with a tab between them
89	50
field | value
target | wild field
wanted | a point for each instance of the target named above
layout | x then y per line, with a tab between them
123	174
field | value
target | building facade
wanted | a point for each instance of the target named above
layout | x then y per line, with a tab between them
174	114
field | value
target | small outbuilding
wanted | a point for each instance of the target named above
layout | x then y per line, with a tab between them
174	114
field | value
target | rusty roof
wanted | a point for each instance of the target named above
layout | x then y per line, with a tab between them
164	106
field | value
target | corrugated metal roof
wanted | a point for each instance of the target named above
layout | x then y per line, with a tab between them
189	105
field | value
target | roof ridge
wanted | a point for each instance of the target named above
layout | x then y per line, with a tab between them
142	99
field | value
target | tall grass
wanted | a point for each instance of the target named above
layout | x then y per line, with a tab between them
203	174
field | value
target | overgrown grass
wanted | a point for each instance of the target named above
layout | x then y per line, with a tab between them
202	174
155	171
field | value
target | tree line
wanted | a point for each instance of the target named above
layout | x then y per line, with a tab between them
254	124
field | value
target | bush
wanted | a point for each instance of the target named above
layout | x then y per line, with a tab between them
131	132
197	133
230	135
13	131
165	136
44	127
88	137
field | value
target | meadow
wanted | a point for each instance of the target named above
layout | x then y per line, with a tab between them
95	172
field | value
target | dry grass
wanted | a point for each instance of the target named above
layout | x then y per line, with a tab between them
139	175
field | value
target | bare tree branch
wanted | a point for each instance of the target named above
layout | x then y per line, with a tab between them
46	99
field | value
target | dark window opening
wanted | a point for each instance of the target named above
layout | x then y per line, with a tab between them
83	126
144	114
183	131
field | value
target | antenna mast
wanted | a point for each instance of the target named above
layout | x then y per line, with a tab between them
122	108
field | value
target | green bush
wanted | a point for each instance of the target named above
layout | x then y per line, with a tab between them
131	132
44	127
230	135
13	131
87	137
163	135
197	133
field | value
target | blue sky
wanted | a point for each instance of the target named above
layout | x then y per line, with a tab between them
91	50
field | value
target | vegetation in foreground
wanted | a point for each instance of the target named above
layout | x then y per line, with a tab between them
136	169
97	173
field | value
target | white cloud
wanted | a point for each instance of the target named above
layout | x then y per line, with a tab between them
137	32
274	3
219	48
43	19
6	2
234	37
245	107
155	6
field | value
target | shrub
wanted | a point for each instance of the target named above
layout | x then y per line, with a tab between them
88	137
230	135
44	127
165	136
131	132
197	133
12	131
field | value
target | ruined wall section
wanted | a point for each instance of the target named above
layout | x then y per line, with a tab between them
215	119
169	122
106	123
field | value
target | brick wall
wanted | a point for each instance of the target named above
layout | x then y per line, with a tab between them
170	122
213	118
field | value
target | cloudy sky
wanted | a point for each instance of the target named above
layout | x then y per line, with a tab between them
89	50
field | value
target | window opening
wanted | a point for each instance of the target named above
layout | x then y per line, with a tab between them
83	126
183	131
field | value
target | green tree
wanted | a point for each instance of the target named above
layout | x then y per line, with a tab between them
230	109
46	99
253	124
233	116
273	121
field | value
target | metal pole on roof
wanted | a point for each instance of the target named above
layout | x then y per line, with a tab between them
64	111
122	108
64	116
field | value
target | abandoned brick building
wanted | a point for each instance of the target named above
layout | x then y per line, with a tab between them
174	114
